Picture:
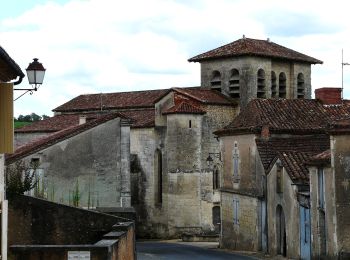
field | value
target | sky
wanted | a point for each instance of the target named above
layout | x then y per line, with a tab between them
94	46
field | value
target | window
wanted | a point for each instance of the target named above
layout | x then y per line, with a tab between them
282	88
235	211
321	198
216	179
216	80
235	159
279	178
261	84
273	85
300	86
234	84
159	176
189	124
39	189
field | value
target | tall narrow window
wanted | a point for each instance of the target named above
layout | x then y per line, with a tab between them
235	160
235	211
279	178
159	177
234	84
300	86
261	88
216	179
273	85
282	85
216	80
321	198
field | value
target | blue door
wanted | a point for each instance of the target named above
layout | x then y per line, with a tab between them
305	234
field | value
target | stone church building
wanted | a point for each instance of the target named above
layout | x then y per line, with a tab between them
177	164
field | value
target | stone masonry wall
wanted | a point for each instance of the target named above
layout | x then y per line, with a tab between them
248	68
87	169
290	206
244	235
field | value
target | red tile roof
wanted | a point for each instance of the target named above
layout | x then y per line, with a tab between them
286	116
206	96
42	143
139	99
323	158
108	101
269	148
184	108
294	163
254	47
51	124
141	118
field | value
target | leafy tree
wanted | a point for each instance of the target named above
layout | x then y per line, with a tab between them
20	177
44	117
35	117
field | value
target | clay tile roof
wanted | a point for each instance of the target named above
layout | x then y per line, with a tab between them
323	158
206	96
294	163
9	69
286	116
254	47
338	127
120	100
42	143
140	118
51	124
184	108
310	144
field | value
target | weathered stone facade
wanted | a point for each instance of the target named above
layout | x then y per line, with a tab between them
283	200
90	169
329	189
183	198
279	79
242	186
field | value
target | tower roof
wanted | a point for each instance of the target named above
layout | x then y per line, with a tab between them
254	47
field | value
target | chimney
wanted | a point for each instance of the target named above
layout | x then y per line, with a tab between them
329	96
82	119
265	132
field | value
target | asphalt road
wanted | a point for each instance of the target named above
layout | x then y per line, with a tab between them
169	251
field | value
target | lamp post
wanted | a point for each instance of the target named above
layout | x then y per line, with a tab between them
35	74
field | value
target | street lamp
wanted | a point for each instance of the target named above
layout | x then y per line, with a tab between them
210	160
35	74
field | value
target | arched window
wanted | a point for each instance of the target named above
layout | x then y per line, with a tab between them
235	162
216	80
216	179
261	84
273	85
234	84
282	88
158	164
300	86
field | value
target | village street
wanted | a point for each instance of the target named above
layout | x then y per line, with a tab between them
171	250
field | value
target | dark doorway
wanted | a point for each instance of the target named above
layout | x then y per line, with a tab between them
281	232
217	219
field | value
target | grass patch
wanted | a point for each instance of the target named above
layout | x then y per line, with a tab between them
21	124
